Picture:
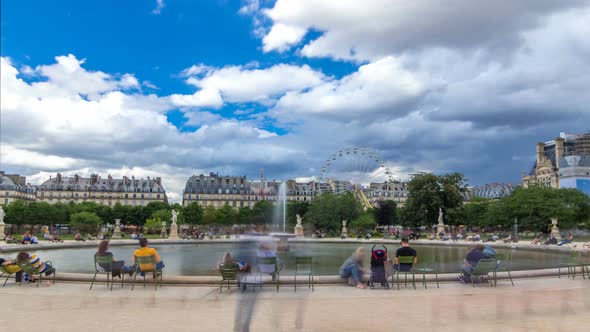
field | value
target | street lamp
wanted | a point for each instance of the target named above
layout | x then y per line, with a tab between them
515	229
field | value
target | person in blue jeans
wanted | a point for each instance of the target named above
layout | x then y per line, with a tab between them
353	267
568	239
471	260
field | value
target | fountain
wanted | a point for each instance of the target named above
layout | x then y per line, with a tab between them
280	219
117	231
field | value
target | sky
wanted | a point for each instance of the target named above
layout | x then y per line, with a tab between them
173	88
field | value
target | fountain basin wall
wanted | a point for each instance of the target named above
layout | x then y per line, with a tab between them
198	259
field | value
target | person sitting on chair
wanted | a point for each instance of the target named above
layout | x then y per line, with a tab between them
473	257
39	265
10	266
34	239
79	237
552	240
117	266
405	251
145	251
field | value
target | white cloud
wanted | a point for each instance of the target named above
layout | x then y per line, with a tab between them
159	6
237	84
368	30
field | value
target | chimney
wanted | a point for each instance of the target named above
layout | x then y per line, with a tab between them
540	152
159	181
58	177
93	179
559	148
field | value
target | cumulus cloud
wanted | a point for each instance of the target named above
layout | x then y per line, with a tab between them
235	84
365	30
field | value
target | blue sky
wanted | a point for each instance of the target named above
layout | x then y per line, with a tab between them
173	88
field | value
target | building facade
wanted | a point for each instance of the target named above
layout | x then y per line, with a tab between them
381	191
562	163
105	191
14	187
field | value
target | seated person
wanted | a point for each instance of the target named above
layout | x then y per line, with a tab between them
10	239
144	251
368	236
489	252
552	240
78	237
353	268
476	238
47	236
134	236
34	239
568	239
266	250
473	257
537	239
26	238
10	266
117	266
405	250
39	265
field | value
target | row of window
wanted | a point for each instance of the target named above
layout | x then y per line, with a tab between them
93	195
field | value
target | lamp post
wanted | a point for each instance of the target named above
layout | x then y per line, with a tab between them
515	229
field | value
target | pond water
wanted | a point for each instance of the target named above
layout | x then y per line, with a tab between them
201	259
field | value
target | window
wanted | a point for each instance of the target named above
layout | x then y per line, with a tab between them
6	201
6	193
158	196
142	196
126	195
134	196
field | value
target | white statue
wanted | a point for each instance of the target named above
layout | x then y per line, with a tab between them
299	220
174	216
2	214
440	216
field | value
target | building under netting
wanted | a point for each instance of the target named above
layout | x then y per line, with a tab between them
562	163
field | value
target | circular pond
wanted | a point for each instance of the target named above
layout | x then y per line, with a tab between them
200	259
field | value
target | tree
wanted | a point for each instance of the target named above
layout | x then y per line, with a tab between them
263	212
226	215
163	214
153	224
209	216
385	213
428	193
85	222
152	207
16	214
244	215
193	214
295	208
328	211
364	222
475	212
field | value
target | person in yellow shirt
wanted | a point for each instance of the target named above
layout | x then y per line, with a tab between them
10	267
144	251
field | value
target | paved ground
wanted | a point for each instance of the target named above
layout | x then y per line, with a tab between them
548	304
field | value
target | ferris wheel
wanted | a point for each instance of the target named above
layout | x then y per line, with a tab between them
353	169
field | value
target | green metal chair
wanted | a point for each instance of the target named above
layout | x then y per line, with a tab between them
228	274
29	269
104	264
406	260
147	260
573	261
426	267
269	261
503	264
6	272
304	266
483	269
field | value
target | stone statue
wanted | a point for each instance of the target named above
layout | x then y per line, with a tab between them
344	233
173	227
2	224
440	228
299	227
344	223
440	216
174	216
117	230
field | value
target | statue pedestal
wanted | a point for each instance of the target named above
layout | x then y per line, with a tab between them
344	233
555	230
2	229
299	231
117	233
163	232
440	228
173	231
